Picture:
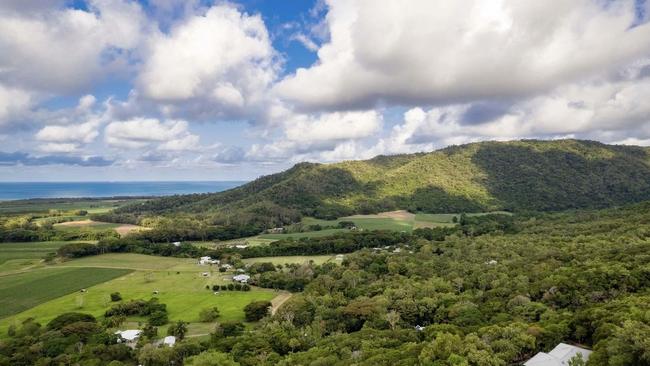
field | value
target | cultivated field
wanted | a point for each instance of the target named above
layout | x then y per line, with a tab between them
44	205
20	256
22	291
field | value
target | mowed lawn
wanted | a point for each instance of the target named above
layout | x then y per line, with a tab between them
179	282
22	291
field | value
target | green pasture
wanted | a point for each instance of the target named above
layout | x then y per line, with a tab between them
318	259
19	292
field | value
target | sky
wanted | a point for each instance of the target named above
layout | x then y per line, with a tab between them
107	90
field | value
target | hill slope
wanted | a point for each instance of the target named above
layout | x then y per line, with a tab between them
515	175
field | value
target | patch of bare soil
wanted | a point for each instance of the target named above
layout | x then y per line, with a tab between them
279	300
127	228
397	215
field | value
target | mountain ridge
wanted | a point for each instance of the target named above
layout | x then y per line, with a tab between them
536	175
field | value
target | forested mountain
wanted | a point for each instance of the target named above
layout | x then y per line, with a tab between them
528	175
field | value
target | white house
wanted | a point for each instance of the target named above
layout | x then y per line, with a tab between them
242	278
177	243
559	356
208	260
241	246
169	341
130	335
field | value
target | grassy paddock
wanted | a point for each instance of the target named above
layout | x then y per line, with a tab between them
22	291
318	259
17	256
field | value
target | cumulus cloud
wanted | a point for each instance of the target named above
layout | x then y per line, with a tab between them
219	63
462	51
14	103
308	136
63	49
137	133
610	111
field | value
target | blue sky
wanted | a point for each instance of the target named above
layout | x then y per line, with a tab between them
201	90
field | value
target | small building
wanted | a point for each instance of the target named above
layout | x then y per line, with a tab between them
339	257
177	243
491	262
419	328
129	335
241	246
559	356
276	230
241	278
226	266
208	260
169	341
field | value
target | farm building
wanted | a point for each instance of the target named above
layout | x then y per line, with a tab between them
559	356
242	278
130	335
208	260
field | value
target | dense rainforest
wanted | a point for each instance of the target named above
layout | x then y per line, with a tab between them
524	175
493	291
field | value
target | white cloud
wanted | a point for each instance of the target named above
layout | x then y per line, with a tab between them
311	136
305	41
62	50
447	52
610	111
220	63
14	103
137	133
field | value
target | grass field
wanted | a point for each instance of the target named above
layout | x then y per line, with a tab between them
179	283
22	291
318	259
17	256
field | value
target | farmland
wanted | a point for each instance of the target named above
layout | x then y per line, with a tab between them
317	259
22	291
17	256
178	281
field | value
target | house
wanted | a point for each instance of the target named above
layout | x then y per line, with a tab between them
208	260
242	278
559	356
128	336
169	341
241	246
177	243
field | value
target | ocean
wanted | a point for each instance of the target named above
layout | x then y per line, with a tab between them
25	190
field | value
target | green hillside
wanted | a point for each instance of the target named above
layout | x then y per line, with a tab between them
486	176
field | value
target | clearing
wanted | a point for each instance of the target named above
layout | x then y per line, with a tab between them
121	229
318	259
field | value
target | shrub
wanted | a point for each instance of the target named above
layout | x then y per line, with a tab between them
158	318
209	315
69	318
115	296
256	310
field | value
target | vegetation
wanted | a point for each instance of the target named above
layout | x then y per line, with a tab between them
493	290
514	176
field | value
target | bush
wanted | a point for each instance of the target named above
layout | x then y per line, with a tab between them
229	328
245	287
115	296
158	318
69	318
209	315
256	310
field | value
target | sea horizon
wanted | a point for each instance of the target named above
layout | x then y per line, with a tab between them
10	191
